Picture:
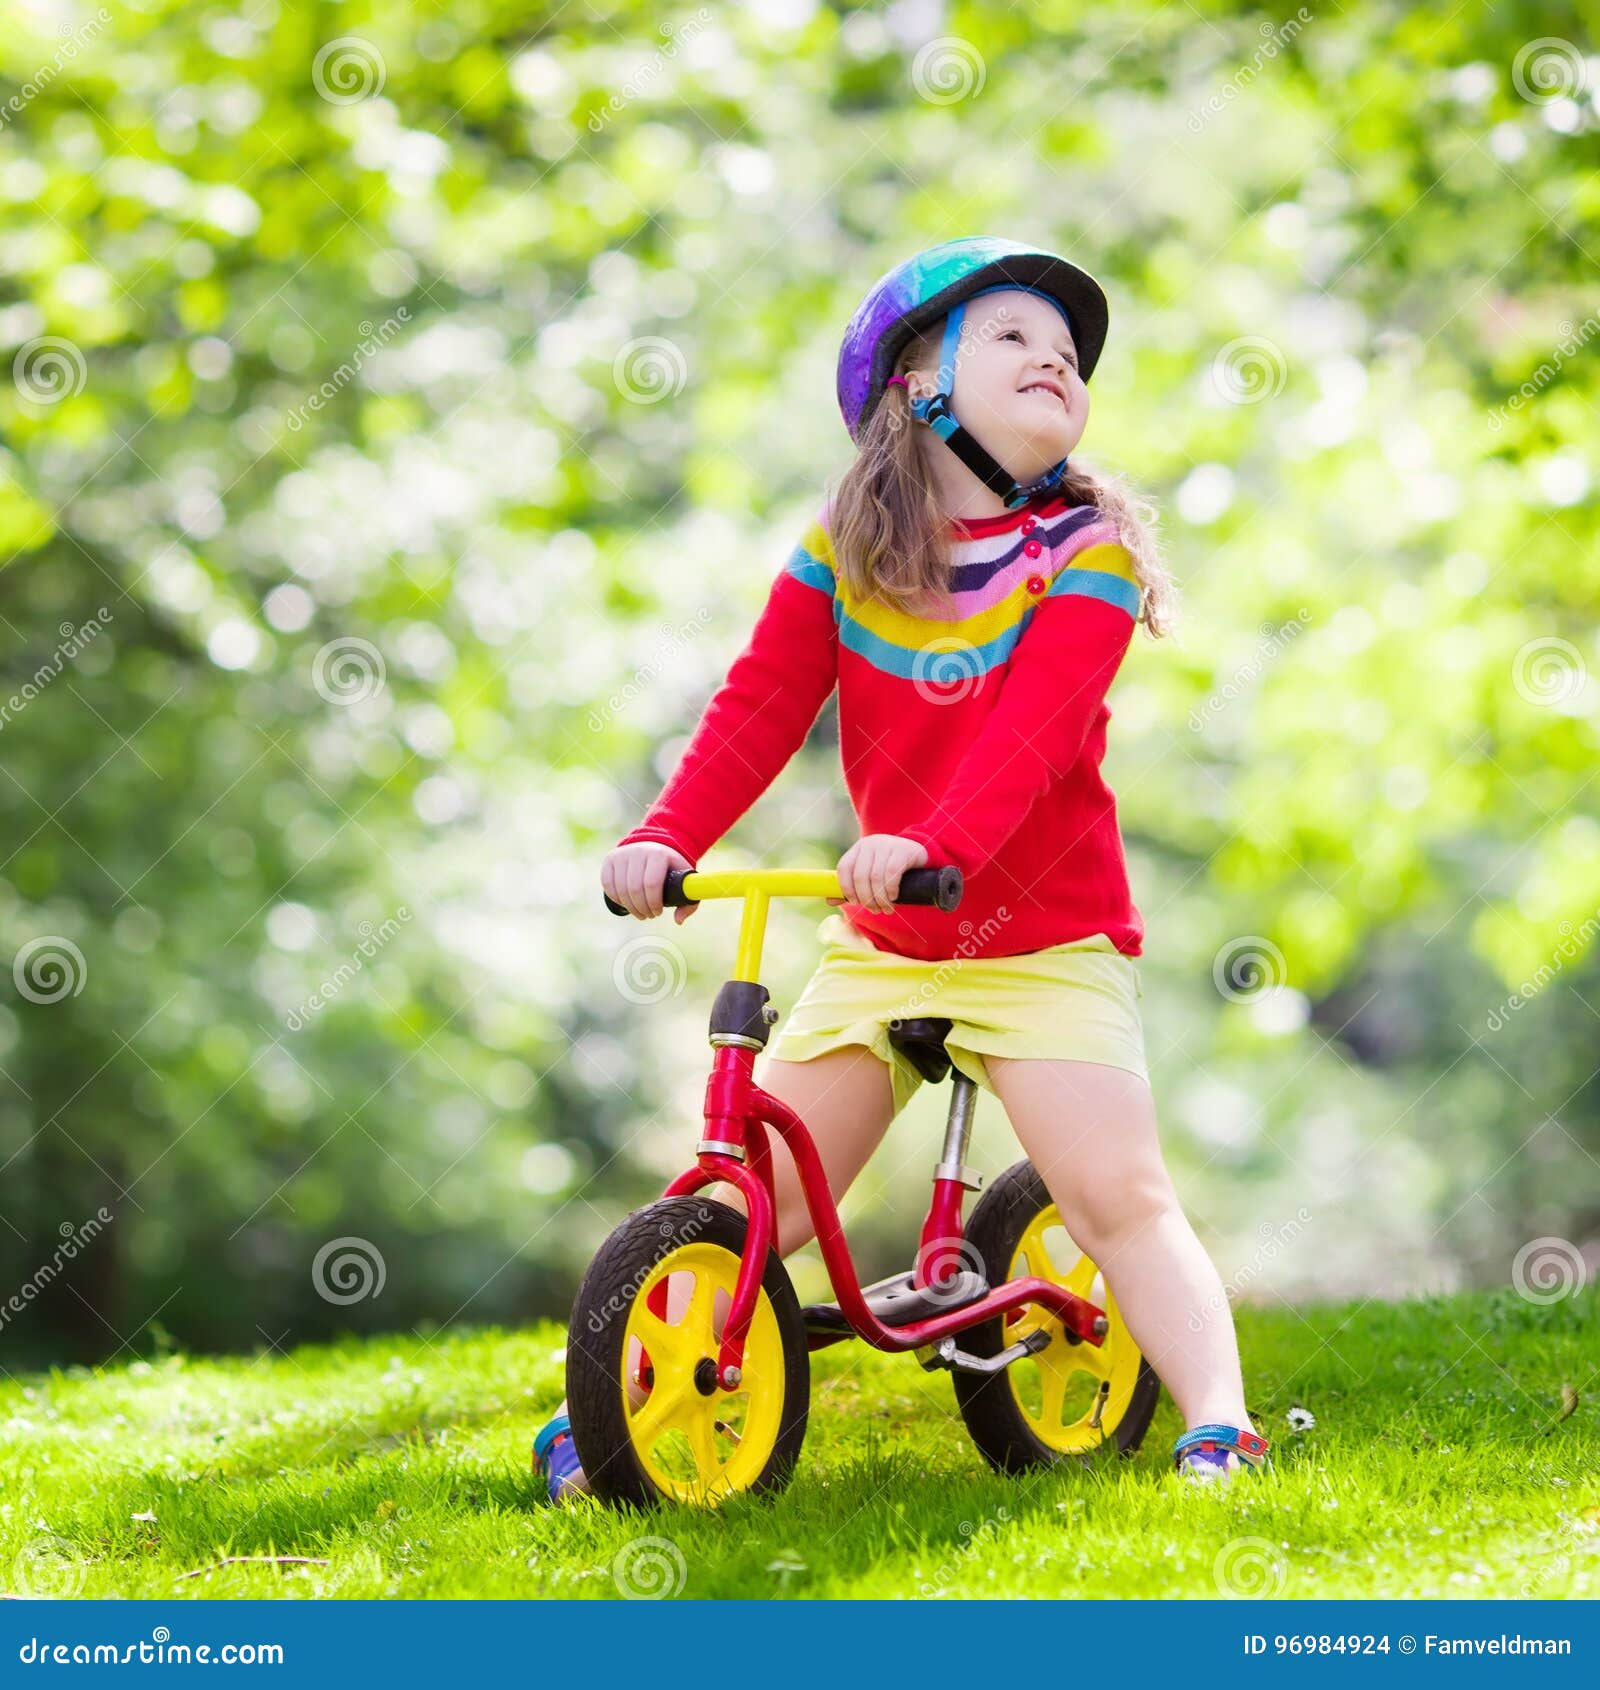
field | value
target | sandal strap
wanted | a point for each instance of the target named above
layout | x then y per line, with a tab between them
1251	1446
548	1433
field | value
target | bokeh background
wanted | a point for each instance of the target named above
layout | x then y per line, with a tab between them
405	409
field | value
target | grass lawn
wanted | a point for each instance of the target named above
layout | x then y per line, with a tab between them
1445	1461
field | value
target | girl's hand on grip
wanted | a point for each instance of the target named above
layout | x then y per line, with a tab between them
869	872
633	875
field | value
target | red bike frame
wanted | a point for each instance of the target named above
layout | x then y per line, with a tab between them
737	1114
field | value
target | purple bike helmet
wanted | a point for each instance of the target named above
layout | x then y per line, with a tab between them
938	283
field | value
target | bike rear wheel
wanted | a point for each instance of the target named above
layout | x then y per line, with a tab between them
1068	1400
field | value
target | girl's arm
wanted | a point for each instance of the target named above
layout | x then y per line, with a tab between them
1059	675
760	715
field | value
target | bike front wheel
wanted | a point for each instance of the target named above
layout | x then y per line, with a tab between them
648	1417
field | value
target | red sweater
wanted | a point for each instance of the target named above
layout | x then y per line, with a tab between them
980	738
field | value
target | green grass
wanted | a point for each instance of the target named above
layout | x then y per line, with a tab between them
1439	1465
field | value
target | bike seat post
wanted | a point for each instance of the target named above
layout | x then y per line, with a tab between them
958	1133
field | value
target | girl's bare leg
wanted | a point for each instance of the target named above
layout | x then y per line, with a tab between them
1090	1130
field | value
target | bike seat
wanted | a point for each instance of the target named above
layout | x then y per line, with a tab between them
922	1039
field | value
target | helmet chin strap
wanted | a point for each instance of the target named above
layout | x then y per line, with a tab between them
936	413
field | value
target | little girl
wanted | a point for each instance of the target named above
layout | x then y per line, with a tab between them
972	596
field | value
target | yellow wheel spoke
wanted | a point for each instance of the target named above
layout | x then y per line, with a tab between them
702	1440
670	1348
1054	1379
657	1410
1115	1361
698	1317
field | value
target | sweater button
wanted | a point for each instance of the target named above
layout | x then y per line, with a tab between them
1035	583
1033	548
1029	526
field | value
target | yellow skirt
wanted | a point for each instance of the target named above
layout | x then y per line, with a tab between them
1073	1002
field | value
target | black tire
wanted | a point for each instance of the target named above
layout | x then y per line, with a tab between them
597	1399
990	1404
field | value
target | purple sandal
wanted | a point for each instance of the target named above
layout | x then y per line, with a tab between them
1202	1452
555	1457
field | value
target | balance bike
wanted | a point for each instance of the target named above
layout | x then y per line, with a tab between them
664	1408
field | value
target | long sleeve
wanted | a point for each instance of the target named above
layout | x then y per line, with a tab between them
760	715
1059	675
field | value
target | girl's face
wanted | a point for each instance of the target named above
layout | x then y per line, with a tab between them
1016	386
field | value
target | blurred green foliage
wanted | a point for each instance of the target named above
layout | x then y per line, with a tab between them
416	399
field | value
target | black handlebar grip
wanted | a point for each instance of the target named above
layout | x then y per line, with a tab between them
940	887
671	892
937	886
